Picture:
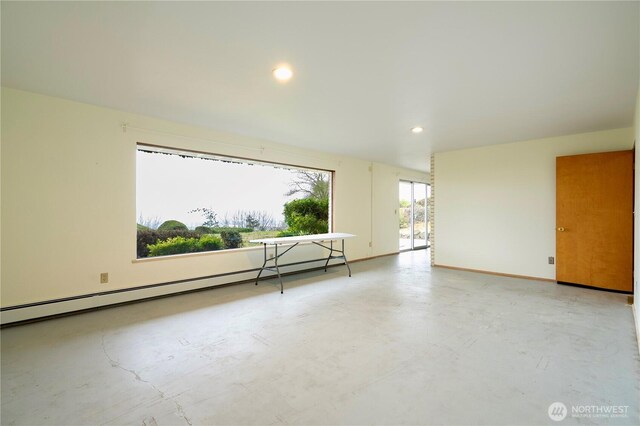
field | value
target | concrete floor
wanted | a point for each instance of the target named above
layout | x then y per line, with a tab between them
398	343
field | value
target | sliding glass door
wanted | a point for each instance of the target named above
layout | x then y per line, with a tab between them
413	215
419	215
404	211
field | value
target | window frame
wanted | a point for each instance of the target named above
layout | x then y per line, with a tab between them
187	152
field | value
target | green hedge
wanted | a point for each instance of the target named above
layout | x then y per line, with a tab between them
150	236
307	216
147	237
204	230
180	245
232	239
209	243
172	225
175	245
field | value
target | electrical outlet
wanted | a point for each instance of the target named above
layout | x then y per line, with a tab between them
104	278
552	260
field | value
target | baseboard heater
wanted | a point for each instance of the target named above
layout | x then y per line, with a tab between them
47	309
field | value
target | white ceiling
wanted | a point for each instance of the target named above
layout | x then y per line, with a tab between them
471	73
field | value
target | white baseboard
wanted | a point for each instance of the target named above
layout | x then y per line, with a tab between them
57	307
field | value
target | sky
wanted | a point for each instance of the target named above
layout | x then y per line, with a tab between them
169	186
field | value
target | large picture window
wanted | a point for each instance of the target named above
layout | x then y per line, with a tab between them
191	202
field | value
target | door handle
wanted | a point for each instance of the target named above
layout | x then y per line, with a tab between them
561	229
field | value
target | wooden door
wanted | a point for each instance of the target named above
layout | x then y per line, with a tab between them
594	220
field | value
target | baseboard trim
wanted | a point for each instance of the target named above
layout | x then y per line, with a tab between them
500	274
56	308
148	286
156	297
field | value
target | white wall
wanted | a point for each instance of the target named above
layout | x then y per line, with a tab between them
636	219
68	201
495	205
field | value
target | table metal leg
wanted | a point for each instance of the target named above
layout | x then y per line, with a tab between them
275	268
278	270
344	256
331	256
263	264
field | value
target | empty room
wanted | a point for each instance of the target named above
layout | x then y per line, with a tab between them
319	213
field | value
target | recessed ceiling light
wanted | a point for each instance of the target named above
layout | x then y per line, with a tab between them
283	73
417	129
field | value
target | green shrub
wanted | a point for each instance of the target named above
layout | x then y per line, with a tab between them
175	245
142	227
158	241
209	243
307	224
181	245
150	237
307	216
172	225
204	230
232	239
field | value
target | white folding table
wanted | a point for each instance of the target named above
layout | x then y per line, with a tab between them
317	239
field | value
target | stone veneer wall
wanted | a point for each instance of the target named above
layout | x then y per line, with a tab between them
431	204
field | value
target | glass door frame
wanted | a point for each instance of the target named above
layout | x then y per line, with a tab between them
412	215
